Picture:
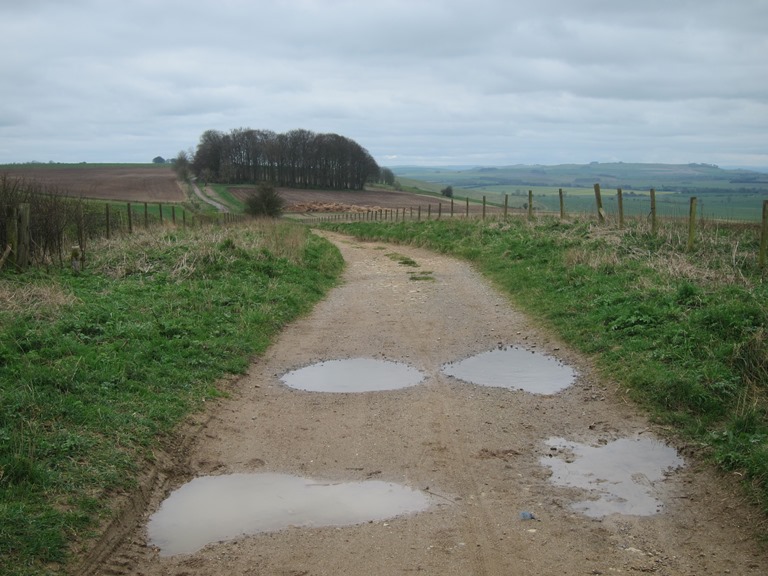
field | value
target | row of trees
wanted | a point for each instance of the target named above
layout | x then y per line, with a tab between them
299	158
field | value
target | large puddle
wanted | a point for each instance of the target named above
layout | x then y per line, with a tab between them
353	375
620	476
217	508
514	368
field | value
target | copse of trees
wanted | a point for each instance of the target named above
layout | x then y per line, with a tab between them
299	158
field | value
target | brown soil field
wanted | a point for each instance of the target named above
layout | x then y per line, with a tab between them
139	183
304	200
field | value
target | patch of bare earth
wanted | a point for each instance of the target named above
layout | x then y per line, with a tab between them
301	200
129	183
477	448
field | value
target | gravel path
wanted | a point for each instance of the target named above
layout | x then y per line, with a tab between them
478	452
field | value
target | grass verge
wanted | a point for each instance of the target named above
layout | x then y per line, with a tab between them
97	368
686	331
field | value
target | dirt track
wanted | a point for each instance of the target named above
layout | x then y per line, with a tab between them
478	448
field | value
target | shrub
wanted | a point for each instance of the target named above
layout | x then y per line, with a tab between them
266	201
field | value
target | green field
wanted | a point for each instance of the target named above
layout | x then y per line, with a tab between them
721	194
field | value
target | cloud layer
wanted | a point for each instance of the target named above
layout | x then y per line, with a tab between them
414	82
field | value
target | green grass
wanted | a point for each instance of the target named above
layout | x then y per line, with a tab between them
721	194
685	332
97	368
226	197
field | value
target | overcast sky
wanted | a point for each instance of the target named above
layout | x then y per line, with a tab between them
426	82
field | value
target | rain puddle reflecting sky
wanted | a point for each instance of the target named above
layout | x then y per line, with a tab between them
218	508
353	375
620	476
514	368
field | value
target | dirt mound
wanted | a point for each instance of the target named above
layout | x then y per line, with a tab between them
330	207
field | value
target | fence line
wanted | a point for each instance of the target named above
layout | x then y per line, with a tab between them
43	237
385	215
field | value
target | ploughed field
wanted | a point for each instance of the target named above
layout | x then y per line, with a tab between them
305	200
132	183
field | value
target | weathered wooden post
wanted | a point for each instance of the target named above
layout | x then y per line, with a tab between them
418	217
429	211
506	205
109	230
439	210
764	237
530	204
691	224
451	207
12	232
130	219
562	204
599	201
467	214
17	233
146	216
483	206
160	206
81	236
173	214
22	261
620	202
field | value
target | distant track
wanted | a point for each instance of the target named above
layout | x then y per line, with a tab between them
208	200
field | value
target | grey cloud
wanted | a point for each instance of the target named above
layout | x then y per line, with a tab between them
430	80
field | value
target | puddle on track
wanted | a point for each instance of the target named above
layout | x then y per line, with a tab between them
514	368
621	475
353	375
218	508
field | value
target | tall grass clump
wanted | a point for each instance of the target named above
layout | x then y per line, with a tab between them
97	367
684	331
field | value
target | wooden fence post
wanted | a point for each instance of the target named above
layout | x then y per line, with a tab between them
562	204
483	206
429	211
81	236
12	232
451	207
691	225
17	233
506	205
530	204
654	225
130	219
620	201
146	216
22	258
173	214
599	201
109	230
161	212
467	213
764	237
439	210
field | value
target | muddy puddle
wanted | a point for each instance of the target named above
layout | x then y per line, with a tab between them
353	375
213	509
622	477
514	368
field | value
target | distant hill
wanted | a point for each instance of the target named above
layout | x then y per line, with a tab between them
683	178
